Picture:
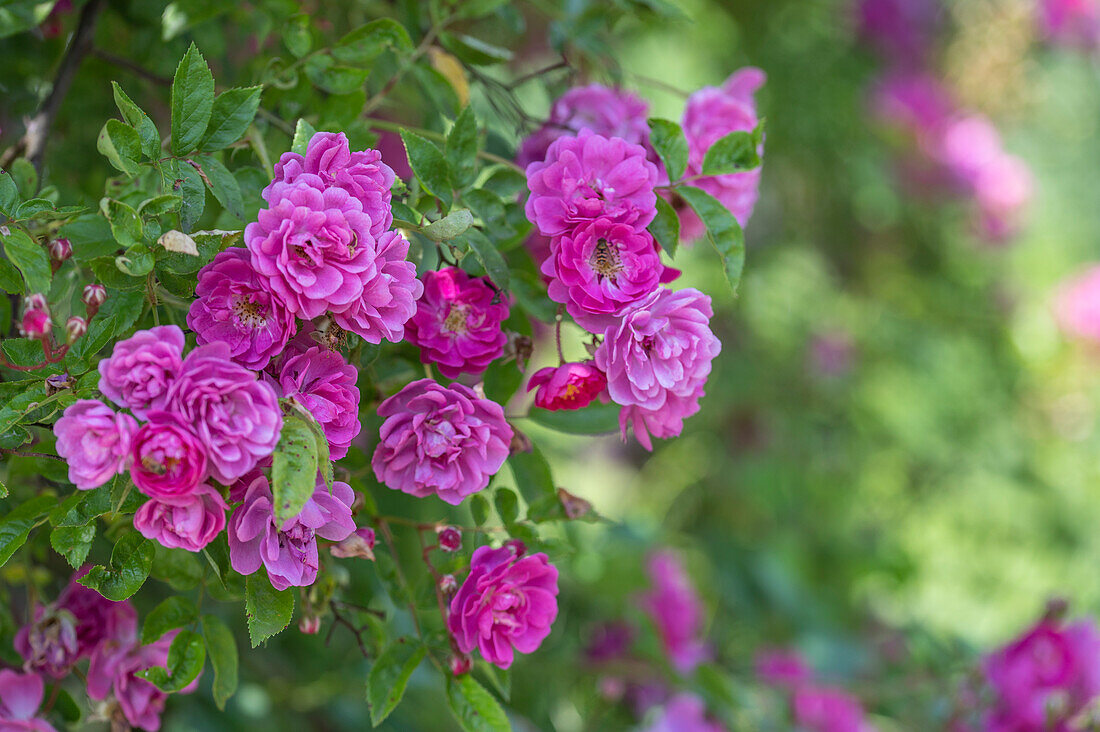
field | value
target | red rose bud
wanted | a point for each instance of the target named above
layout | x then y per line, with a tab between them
60	250
75	327
36	302
461	665
448	585
35	325
94	296
309	624
450	538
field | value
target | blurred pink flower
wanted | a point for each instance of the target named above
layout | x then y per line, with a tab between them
677	612
1077	304
824	709
1071	22
683	713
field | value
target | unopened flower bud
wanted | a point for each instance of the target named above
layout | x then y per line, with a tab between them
35	325
94	296
36	302
448	586
516	546
461	665
309	624
450	538
75	327
60	250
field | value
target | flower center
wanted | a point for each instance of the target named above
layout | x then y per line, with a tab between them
456	318
605	260
648	342
250	314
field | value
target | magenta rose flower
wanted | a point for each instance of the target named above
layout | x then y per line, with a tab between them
569	386
141	368
440	440
676	611
457	324
900	30
665	422
662	346
20	698
604	110
324	383
684	713
823	709
389	296
95	441
190	524
1077	304
587	177
507	603
234	306
289	551
362	174
49	645
711	114
600	267
168	459
235	416
94	614
313	246
1048	675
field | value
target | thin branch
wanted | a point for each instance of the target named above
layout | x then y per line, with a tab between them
129	65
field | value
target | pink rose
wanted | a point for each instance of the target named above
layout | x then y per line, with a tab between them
324	383
95	441
141	368
189	525
169	459
569	386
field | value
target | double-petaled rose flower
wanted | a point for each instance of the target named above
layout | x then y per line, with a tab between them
507	603
457	324
95	442
233	305
569	386
168	459
389	294
141	368
440	440
235	416
324	383
188	524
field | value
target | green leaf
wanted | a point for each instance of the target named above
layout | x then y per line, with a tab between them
532	474
668	140
186	657
665	227
178	567
115	317
595	419
90	236
223	185
175	612
268	610
303	133
450	226
475	708
189	186
159	205
73	543
734	153
81	507
192	101
125	223
139	120
17	525
120	144
364	44
30	258
222	650
296	35
479	509
390	675
294	468
36	206
723	231
11	281
137	261
478	8
507	504
232	113
16	17
9	194
25	177
490	258
461	148
326	74
131	560
429	166
474	51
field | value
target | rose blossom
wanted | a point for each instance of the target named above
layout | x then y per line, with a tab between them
233	305
95	441
189	525
168	459
289	551
589	176
662	346
441	440
362	174
663	423
569	386
676	611
457	324
508	601
141	368
1049	674
822	709
20	697
49	645
236	417
94	613
389	295
711	114
324	383
1077	304
313	246
684	713
599	267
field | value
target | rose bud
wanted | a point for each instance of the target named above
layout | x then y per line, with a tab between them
60	250
450	538
309	624
35	325
461	665
448	585
36	302
94	296
75	327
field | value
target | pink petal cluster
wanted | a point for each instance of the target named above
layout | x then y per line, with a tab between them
600	267
1077	305
676	611
49	645
189	525
139	370
1044	678
711	114
457	324
389	297
289	551
20	698
665	422
234	306
569	386
506	604
440	440
1071	22
683	713
589	176
324	383
95	441
824	709
168	459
